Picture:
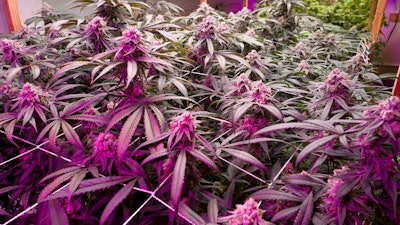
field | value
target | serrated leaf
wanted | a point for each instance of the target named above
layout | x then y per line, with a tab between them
75	181
284	126
71	135
54	184
306	210
121	114
116	200
284	214
325	125
327	110
253	141
178	178
57	213
151	125
346	187
273	110
127	131
91	185
9	129
155	155
313	146
240	111
245	156
190	215
271	194
59	172
131	71
104	71
200	156
180	87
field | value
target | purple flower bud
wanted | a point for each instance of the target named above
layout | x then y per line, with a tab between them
130	46
183	123
259	92
254	58
95	25
248	213
241	84
105	145
208	28
303	67
30	94
9	49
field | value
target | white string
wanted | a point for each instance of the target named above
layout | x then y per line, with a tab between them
36	147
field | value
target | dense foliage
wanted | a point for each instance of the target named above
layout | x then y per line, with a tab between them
345	13
137	115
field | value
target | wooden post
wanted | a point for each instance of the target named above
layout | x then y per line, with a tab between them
396	86
377	20
372	13
12	15
245	3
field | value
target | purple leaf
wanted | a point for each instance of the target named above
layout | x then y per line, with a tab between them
116	200
273	110
313	146
245	156
221	61
4	213
131	70
328	127
105	71
46	129
271	194
6	117
151	125
200	156
71	135
178	178
180	86
69	66
284	214
78	106
9	129
284	126
210	46
327	110
205	143
241	110
127	131
75	181
190	215
55	183
92	185
212	210
9	188
155	155
57	213
306	210
59	172
121	114
254	141
346	187
154	140
90	118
